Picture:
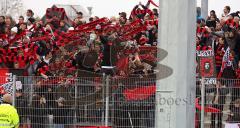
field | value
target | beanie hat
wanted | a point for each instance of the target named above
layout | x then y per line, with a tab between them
70	28
14	29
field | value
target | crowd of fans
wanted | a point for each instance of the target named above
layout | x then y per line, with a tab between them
222	36
45	47
219	34
56	46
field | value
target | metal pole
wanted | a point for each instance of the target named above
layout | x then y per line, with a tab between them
129	116
107	101
31	93
50	119
14	90
204	8
103	96
202	102
75	104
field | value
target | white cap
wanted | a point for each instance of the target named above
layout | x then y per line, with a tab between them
98	26
93	36
71	28
14	29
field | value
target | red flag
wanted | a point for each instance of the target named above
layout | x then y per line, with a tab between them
140	93
206	108
153	3
122	64
225	62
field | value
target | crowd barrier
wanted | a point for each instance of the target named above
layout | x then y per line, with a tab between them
86	102
112	102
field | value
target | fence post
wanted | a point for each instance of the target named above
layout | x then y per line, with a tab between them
31	81
107	101
50	120
202	101
14	90
103	97
75	104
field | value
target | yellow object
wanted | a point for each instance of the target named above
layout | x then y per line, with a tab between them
8	116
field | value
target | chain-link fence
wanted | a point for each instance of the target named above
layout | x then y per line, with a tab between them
67	102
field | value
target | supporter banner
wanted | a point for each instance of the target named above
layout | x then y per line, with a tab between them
209	81
206	64
205	53
207	67
7	74
7	88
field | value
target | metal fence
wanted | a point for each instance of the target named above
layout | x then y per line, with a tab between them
103	101
220	106
64	102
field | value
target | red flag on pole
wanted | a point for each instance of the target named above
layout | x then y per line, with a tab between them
153	3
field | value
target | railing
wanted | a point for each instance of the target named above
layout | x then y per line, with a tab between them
81	102
112	102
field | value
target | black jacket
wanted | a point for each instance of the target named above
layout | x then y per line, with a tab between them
2	28
235	118
60	114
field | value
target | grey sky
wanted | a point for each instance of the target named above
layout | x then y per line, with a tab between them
113	7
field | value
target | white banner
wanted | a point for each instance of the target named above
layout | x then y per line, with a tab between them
205	53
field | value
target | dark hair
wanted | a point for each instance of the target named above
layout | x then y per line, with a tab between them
155	10
123	14
21	17
3	17
79	13
90	19
228	8
30	11
213	11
